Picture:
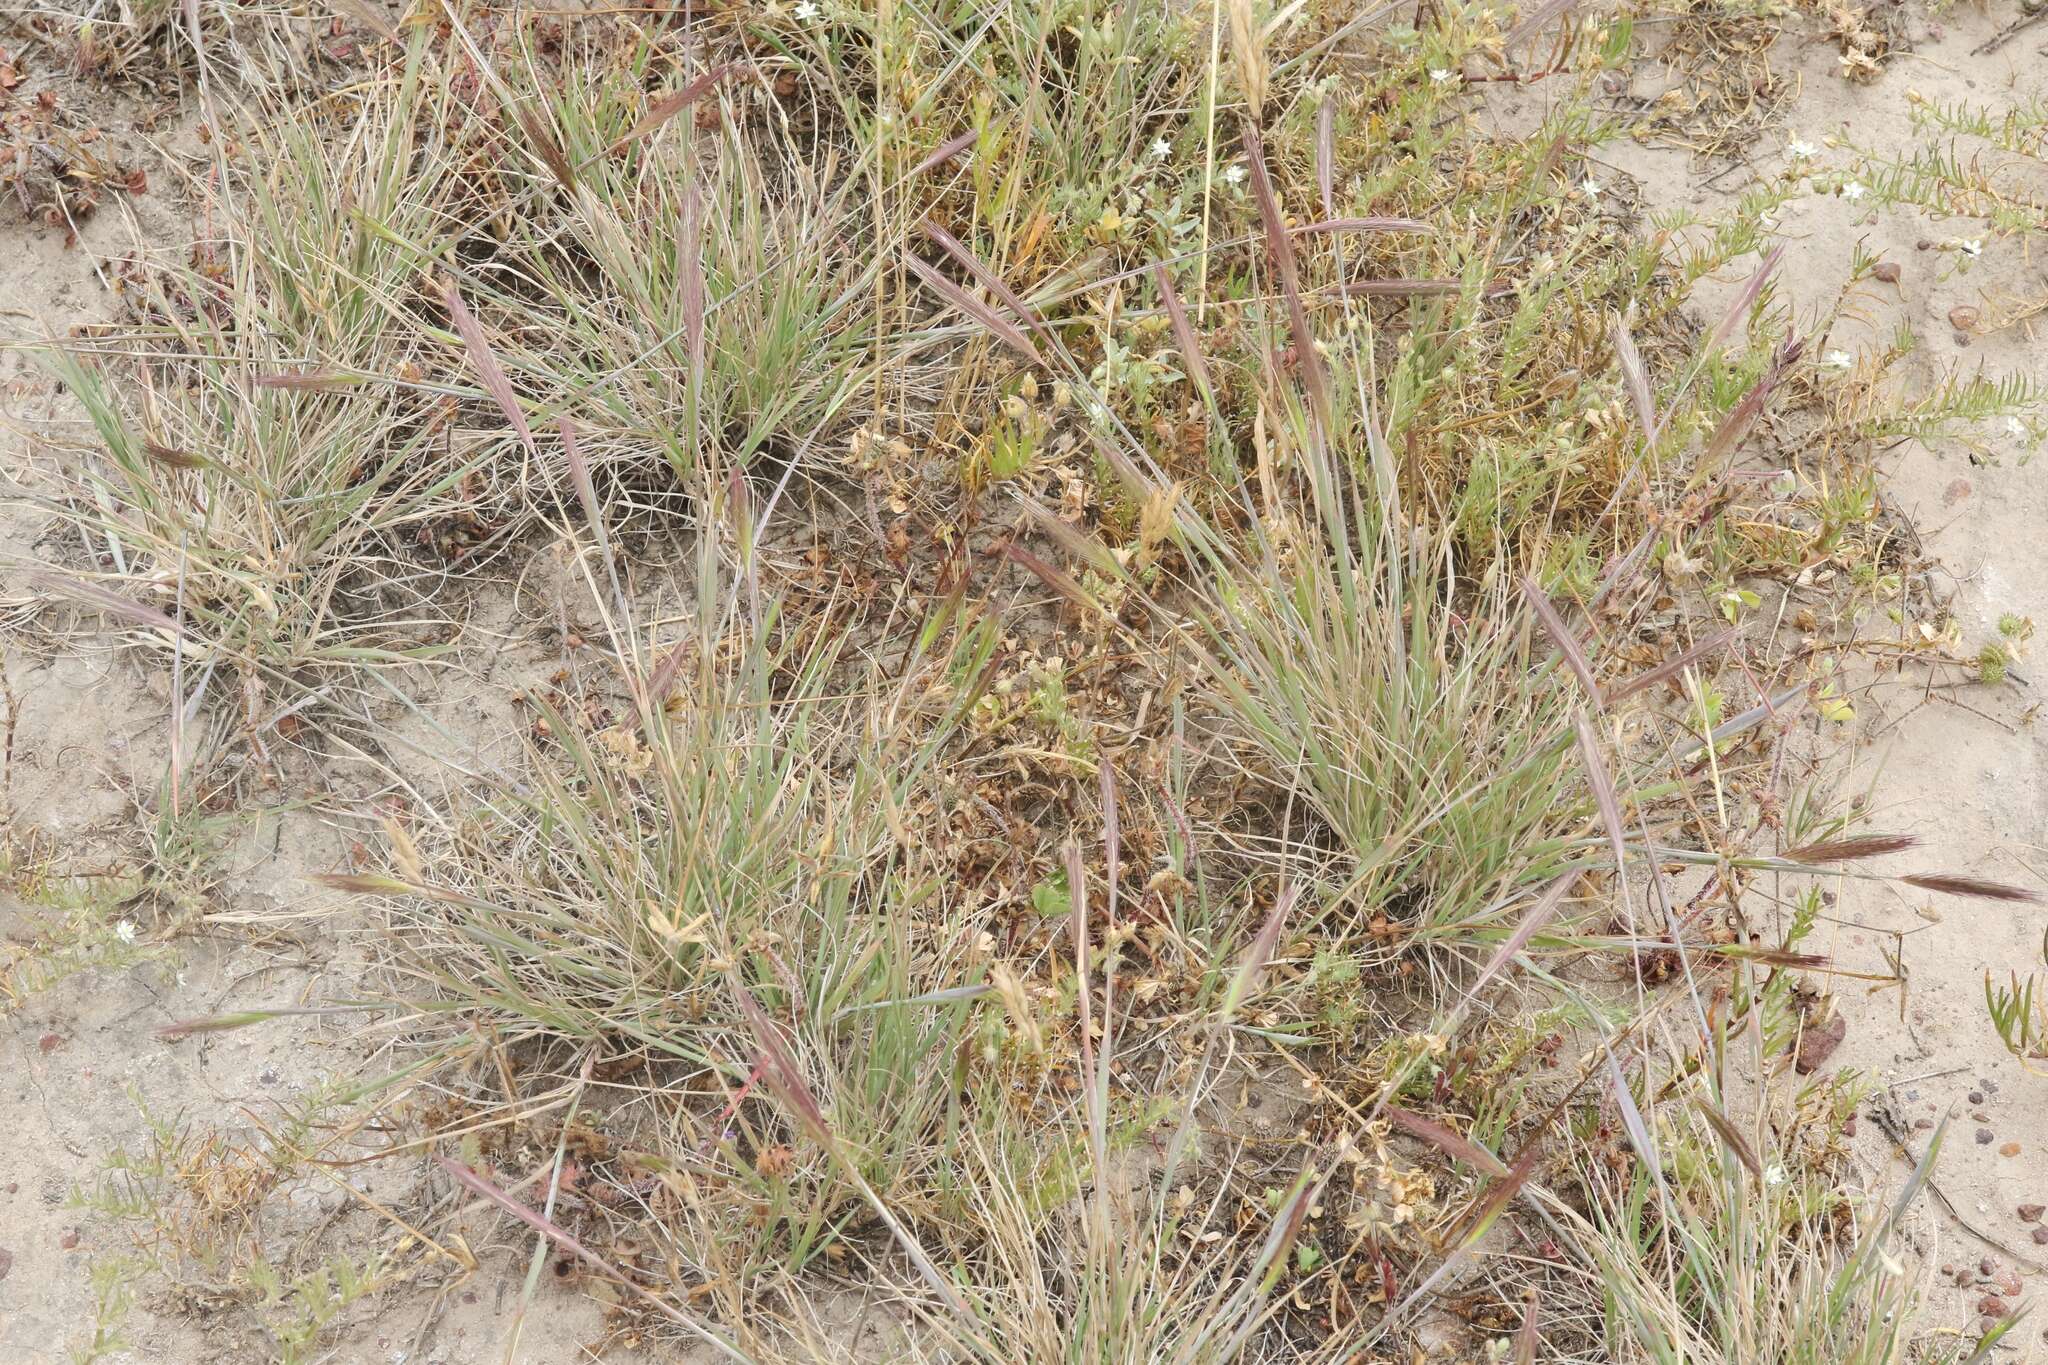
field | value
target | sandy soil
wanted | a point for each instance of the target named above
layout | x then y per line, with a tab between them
1962	769
84	1070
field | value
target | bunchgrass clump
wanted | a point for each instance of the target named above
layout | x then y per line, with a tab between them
278	489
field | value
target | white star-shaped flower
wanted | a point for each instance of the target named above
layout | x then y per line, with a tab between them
1441	76
1161	149
805	11
1838	360
1971	246
125	931
2015	426
1802	150
1593	188
1233	175
1854	190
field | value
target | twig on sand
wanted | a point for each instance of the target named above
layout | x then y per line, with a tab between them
2010	31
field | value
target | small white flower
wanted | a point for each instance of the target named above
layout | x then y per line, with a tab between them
1233	175
1441	76
1802	150
1971	246
805	11
1838	360
1593	188
1774	1174
1854	190
1161	149
2016	426
125	931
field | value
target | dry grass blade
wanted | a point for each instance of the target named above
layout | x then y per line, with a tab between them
372	884
983	276
1731	1138
1767	709
1739	306
1326	154
1526	1340
1632	1121
487	367
1603	787
667	107
781	1075
113	604
1280	247
1638	380
1447	1141
1850	850
548	149
1003	329
1974	887
945	152
477	1185
1531	26
1330	225
1183	331
363	884
1053	577
1533	919
1260	952
369	16
586	494
225	1023
1776	957
1567	642
661	680
1405	288
171	456
1112	836
1671	667
1743	415
579	475
305	381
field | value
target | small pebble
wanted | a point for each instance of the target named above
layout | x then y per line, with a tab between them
2009	1149
1987	1267
1976	1097
1991	1306
1887	271
2041	1237
1922	1125
69	1241
1984	1137
1980	1116
2031	1213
